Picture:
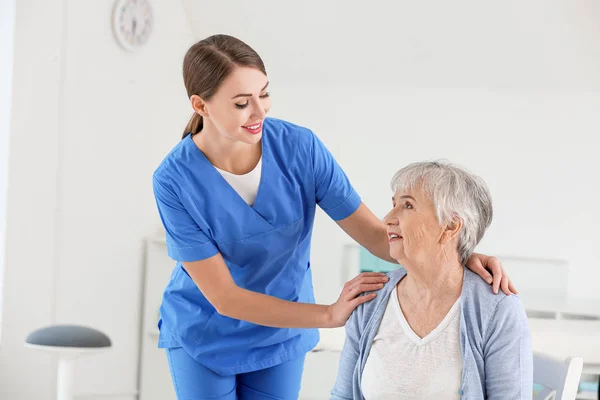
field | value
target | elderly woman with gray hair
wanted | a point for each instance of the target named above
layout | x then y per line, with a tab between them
436	330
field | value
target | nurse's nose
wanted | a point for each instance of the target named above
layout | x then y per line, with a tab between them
260	112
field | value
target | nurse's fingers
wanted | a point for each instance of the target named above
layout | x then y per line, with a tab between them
362	299
365	287
371	275
360	279
511	287
350	285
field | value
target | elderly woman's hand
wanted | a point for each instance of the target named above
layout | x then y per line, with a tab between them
480	263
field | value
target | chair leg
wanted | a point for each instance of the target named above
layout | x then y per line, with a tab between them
64	389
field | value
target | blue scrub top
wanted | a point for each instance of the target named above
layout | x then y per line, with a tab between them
265	246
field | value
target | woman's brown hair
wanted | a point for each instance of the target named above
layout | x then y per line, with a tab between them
208	63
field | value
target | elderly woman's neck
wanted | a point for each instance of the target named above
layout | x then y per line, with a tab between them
428	283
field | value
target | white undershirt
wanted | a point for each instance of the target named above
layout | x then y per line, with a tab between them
403	366
245	185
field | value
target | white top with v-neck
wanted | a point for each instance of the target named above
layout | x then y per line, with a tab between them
245	185
401	365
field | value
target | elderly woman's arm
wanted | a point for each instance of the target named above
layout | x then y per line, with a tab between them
371	233
343	389
507	353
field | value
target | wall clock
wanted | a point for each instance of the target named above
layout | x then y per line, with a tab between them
132	23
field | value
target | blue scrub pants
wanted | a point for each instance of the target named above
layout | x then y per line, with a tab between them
192	381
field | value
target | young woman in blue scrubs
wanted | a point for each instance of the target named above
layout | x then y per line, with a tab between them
237	197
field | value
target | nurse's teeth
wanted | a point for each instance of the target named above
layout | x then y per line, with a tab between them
253	126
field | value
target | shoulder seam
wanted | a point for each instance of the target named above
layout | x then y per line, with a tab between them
492	317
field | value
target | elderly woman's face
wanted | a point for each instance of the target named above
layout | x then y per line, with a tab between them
413	228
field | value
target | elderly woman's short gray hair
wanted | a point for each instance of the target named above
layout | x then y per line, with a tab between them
455	193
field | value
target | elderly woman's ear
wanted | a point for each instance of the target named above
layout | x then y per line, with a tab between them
451	230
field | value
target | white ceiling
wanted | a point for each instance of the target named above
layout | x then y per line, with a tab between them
502	45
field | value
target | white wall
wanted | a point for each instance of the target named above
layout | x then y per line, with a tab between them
7	25
508	89
507	45
90	123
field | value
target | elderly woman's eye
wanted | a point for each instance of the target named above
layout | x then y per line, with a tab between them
408	205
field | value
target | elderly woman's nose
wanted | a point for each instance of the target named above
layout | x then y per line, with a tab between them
389	219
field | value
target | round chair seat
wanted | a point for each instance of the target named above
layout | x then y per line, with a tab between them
68	342
67	337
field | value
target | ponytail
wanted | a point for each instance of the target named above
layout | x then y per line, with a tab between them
194	126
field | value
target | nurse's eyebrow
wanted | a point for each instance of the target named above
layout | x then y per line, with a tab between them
247	94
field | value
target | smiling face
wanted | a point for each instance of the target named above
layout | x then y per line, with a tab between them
238	108
414	231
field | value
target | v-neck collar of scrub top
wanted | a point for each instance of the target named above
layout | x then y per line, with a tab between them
253	213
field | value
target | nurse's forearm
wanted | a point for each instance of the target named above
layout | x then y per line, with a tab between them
381	247
377	243
214	280
267	310
370	232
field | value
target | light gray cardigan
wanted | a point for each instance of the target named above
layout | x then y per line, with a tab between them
494	339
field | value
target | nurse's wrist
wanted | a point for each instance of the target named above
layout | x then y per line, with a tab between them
327	319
